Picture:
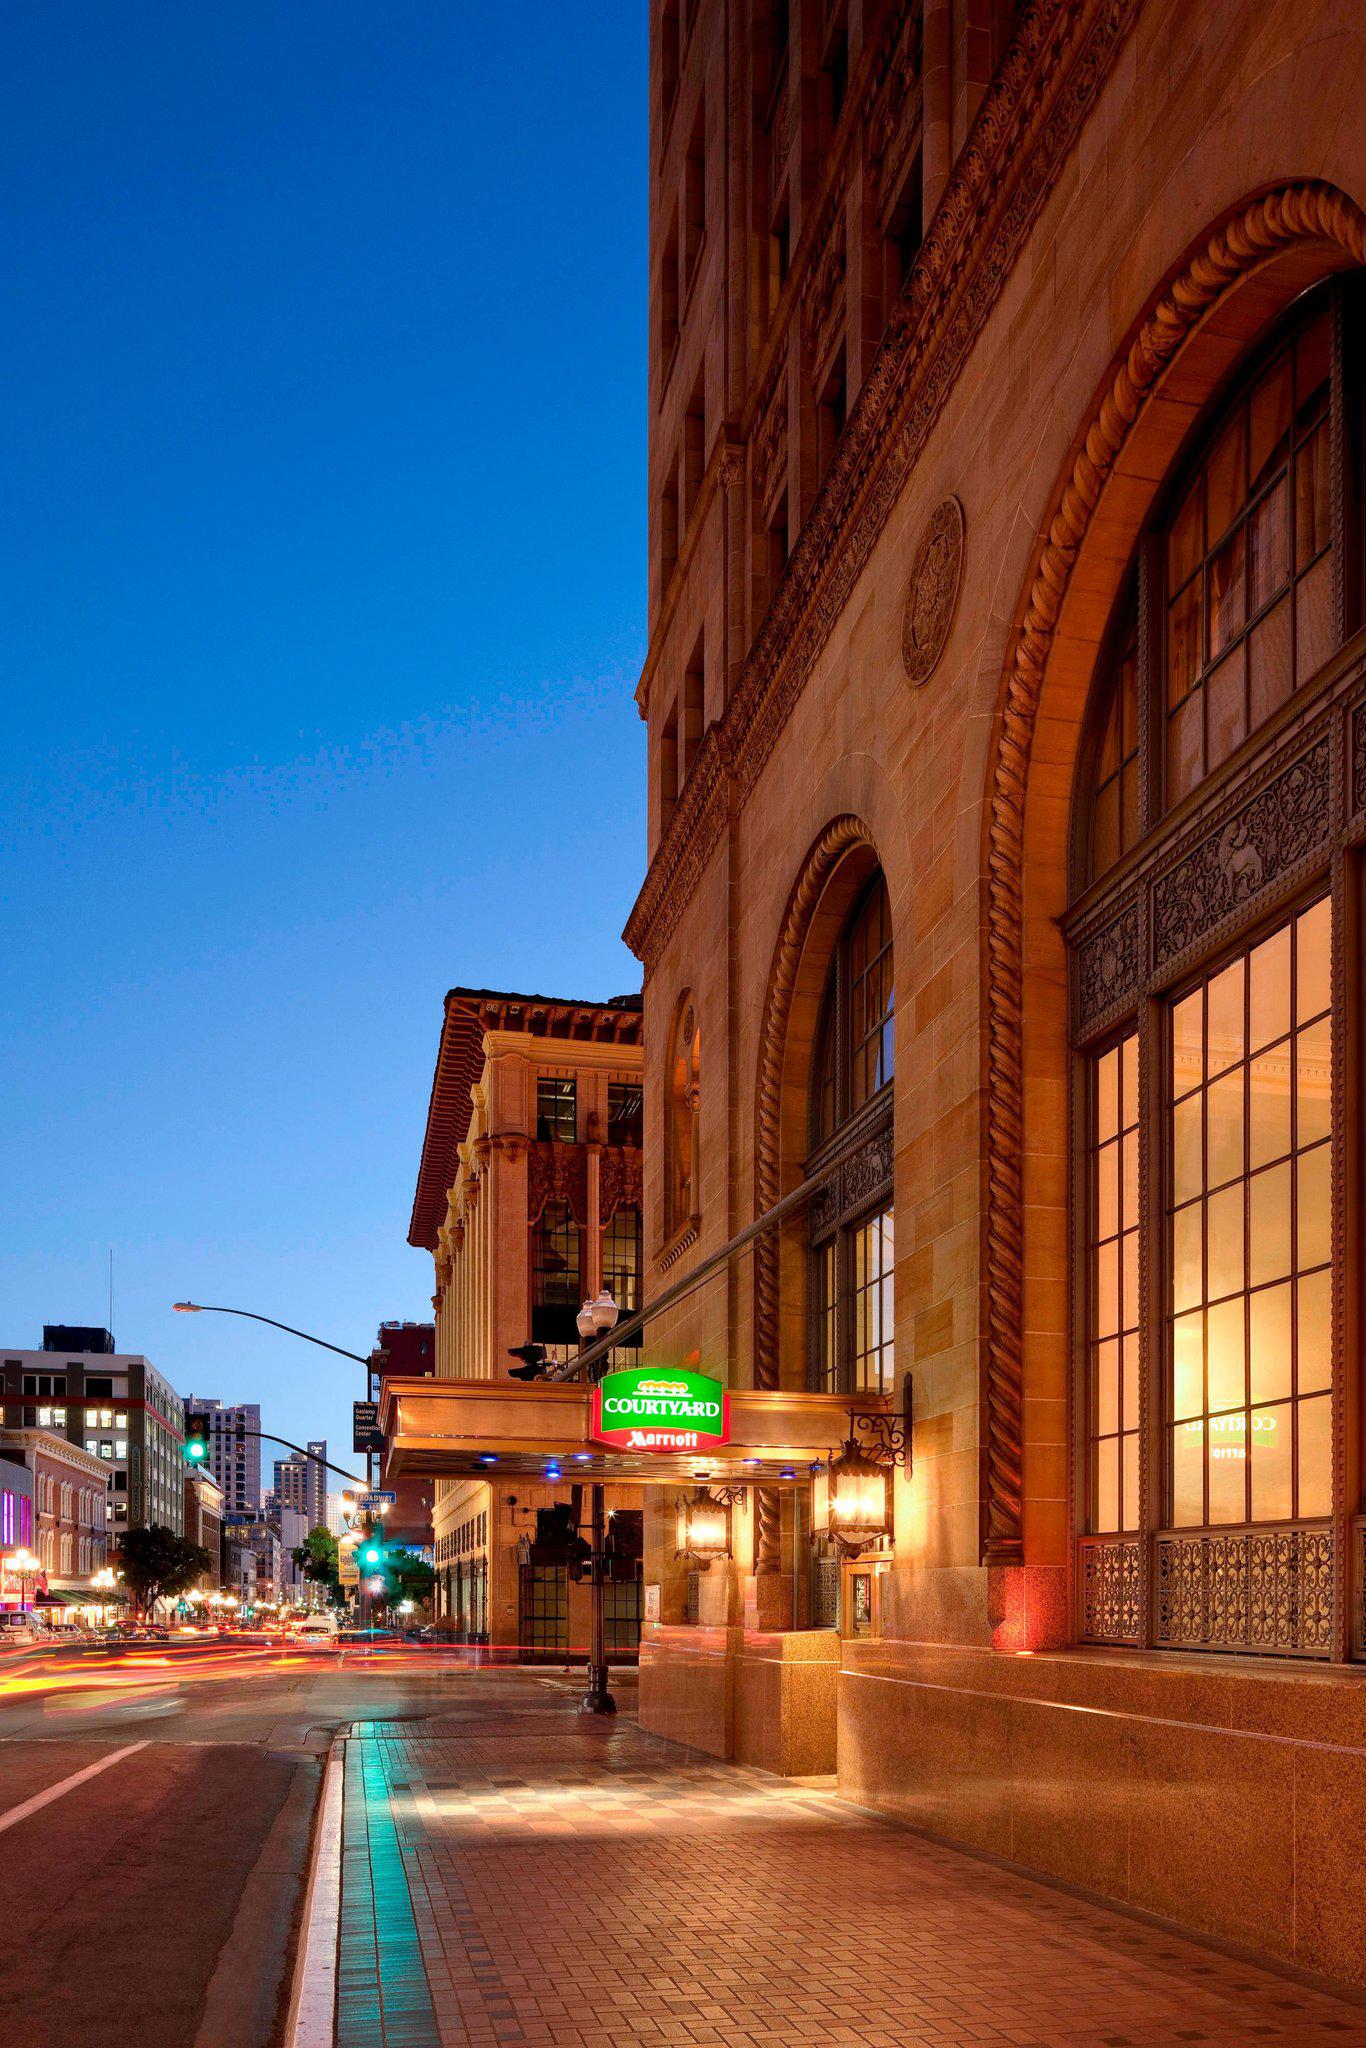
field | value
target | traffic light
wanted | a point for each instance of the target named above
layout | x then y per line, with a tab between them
371	1554
533	1357
196	1439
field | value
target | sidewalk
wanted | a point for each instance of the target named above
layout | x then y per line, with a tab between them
514	1873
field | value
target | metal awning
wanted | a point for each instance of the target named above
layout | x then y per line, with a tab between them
471	1428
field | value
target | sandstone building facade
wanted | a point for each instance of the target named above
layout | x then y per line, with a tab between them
1006	697
529	1200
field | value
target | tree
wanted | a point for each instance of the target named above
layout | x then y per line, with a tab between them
157	1564
410	1577
317	1557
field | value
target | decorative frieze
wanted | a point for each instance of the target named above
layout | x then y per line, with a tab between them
823	295
895	105
768	444
620	1180
1359	760
1108	967
858	1181
1280	827
1269	1590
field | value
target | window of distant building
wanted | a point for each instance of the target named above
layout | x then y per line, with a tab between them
625	1112
557	1108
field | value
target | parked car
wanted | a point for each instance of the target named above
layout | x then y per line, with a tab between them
21	1630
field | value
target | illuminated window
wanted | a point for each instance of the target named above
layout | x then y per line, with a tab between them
872	1255
557	1108
621	1260
1250	1235
1112	1268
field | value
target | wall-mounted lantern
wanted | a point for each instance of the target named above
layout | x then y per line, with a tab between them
704	1522
859	1481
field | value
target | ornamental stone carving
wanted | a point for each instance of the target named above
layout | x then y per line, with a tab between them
1284	823
1108	967
932	594
823	295
1359	760
1110	1592
895	99
768	446
620	1180
858	1181
557	1173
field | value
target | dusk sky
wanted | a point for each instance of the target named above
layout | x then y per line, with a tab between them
322	582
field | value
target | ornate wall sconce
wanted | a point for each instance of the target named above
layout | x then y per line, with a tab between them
859	1482
704	1522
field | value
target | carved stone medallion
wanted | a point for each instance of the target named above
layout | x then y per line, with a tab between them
932	595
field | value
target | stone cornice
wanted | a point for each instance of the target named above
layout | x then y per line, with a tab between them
1025	128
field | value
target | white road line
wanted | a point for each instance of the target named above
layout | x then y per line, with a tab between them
313	2001
42	1799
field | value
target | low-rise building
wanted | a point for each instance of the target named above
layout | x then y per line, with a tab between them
204	1523
18	1530
69	1538
116	1407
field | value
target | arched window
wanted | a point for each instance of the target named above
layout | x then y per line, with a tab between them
1212	826
851	1120
684	1103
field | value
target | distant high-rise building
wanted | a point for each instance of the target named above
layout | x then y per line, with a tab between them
234	1450
301	1483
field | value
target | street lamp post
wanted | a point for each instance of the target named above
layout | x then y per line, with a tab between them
596	1319
26	1564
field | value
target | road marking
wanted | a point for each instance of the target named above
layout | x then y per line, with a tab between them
65	1785
313	2003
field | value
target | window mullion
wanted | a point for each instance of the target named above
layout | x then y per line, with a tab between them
1153	1338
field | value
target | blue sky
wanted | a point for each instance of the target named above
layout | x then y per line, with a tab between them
321	607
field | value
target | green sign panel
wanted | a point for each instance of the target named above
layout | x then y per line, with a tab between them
660	1408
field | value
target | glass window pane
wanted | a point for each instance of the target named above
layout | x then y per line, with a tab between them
1269	990
1224	1244
1225	1044
1313	964
1129	1470
1314	619
1272	1471
1186	540
1129	1181
1226	707
1316	1457
1185	643
1269	1337
1107	1290
1107	1095
1188	1366
1269	1224
1188	1474
1226	479
1187	1161
1228	1467
1227	593
1313	499
1314	1308
1313	1083
1225	1115
1107	1388
1187	1262
1188	1043
1128	1061
1313	1223
1269	425
1271	664
1107	1190
1268	547
1107	1483
1129	1279
1186	747
1129	1381
1227	1374
1269	1106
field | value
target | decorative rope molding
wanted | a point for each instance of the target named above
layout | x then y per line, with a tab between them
1297	213
1027	123
820	863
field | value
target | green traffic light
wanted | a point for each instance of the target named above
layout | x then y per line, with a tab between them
372	1554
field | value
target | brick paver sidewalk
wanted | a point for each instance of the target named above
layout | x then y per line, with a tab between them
513	1873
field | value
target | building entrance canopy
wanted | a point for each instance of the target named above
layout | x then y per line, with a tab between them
470	1428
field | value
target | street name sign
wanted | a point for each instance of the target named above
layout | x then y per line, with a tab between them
375	1500
657	1408
366	1434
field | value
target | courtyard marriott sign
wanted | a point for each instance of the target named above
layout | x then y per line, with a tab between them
660	1409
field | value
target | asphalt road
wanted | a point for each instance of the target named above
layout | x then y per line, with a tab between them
155	1900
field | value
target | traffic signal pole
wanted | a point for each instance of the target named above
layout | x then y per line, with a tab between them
597	1699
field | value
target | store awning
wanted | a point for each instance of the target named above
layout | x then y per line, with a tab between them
465	1428
81	1596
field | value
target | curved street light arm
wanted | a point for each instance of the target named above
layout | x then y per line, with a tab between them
211	1309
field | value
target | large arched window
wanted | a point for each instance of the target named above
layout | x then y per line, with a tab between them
851	1121
1219	796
